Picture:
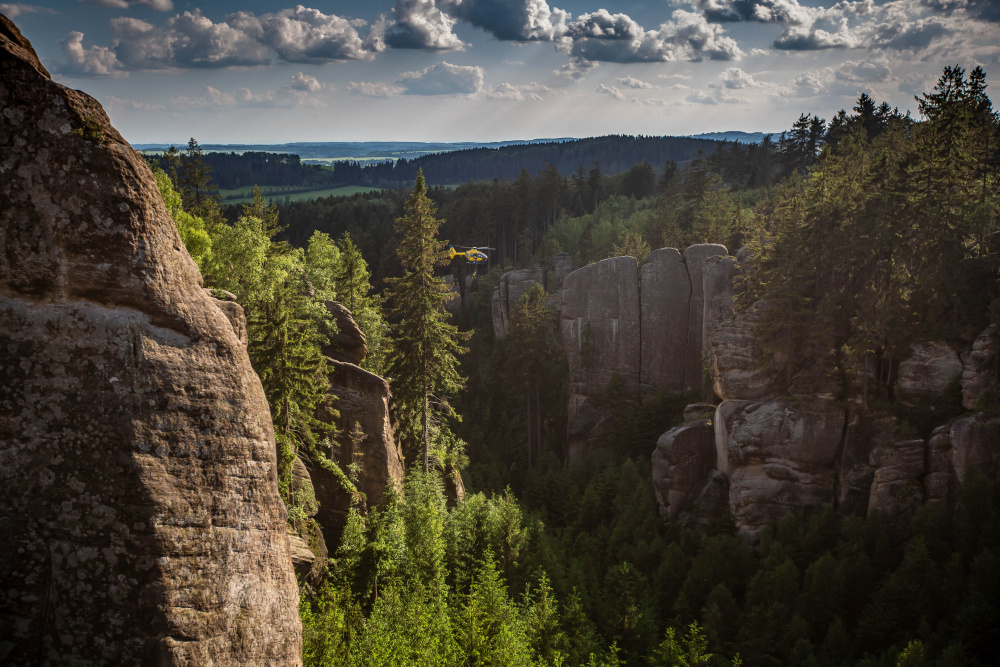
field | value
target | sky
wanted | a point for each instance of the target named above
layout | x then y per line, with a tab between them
269	71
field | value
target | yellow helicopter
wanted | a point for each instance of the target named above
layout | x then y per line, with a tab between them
472	254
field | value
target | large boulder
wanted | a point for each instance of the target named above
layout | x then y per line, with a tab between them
682	462
782	457
975	442
928	373
665	296
139	507
600	324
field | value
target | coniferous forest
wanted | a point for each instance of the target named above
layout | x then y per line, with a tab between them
866	232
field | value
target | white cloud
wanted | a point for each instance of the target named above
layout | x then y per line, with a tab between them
632	82
213	97
511	20
13	10
374	89
420	24
97	61
865	71
162	5
508	91
189	40
304	35
757	53
655	102
442	79
113	102
734	78
611	91
305	83
602	36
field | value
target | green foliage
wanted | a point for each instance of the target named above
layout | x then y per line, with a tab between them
423	362
192	229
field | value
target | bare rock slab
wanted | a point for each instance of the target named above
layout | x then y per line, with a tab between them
139	507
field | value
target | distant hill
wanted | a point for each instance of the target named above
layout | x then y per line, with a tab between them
734	135
395	164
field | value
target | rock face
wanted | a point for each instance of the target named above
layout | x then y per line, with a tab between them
781	455
139	506
600	331
928	373
349	342
512	287
682	462
641	327
979	369
737	366
897	491
366	439
666	298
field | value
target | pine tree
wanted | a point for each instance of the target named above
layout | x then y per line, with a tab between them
423	363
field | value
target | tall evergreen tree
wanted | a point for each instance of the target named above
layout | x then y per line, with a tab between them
423	363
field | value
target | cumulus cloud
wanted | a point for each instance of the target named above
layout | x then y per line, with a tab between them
611	91
305	83
97	61
303	35
734	78
701	97
765	11
632	82
242	39
442	79
420	24
162	5
811	83
655	102
864	71
760	52
511	20
370	89
118	103
508	91
718	96
13	10
605	37
212	97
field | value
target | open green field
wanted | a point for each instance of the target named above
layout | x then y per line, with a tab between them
246	194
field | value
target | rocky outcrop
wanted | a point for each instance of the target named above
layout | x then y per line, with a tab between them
682	462
599	321
781	455
512	287
979	369
365	438
139	507
642	328
897	489
738	367
309	550
928	373
349	343
665	295
226	302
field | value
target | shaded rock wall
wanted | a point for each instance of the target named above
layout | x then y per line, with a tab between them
139	509
642	328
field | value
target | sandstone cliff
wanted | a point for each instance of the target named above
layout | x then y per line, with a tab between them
139	510
786	442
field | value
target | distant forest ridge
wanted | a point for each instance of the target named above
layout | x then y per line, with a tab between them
614	154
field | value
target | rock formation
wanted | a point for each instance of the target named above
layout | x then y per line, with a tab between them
139	507
784	442
641	328
513	284
349	343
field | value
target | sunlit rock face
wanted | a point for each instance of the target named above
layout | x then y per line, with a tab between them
139	507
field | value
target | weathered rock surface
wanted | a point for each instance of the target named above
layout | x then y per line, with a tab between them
349	343
737	366
139	509
682	462
928	373
897	490
975	442
694	259
365	438
979	369
782	457
665	296
512	287
309	550
226	302
600	322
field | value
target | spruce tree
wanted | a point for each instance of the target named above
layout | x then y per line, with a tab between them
423	363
